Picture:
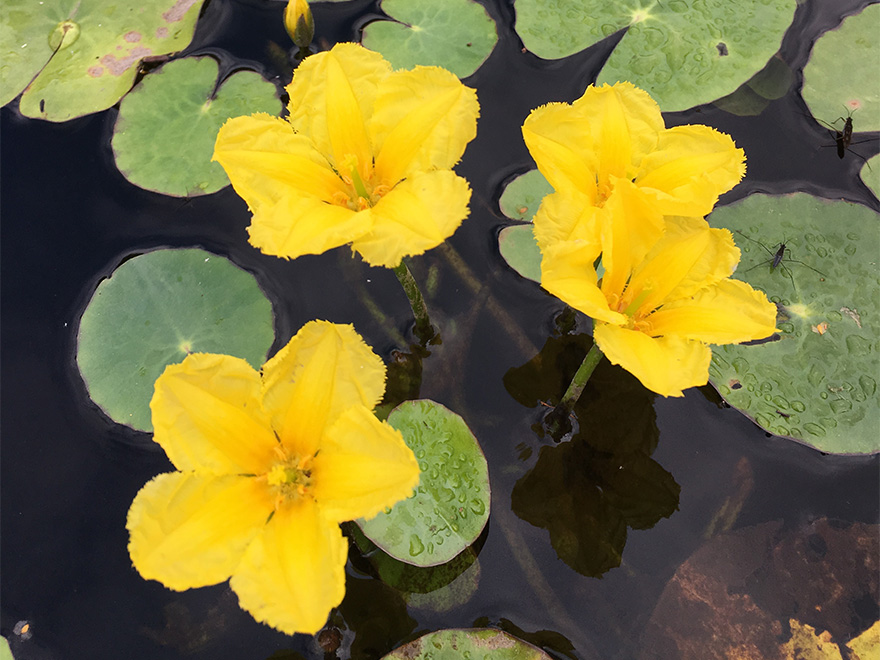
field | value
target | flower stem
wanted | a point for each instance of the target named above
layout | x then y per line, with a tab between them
423	331
579	382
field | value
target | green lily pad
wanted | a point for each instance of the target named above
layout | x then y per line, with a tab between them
523	195
81	56
519	201
818	382
455	34
164	135
5	653
520	250
153	311
842	75
450	507
682	53
870	174
474	643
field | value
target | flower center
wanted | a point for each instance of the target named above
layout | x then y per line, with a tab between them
291	478
363	193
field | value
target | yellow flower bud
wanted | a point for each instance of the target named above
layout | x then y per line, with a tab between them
299	22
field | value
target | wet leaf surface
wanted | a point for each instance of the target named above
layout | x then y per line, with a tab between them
816	381
474	644
77	57
842	76
450	507
683	53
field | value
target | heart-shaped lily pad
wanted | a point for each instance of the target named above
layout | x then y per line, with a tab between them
519	201
450	507
818	381
153	311
455	34
164	135
81	56
842	76
474	644
682	53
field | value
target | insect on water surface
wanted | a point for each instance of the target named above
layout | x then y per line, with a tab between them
776	259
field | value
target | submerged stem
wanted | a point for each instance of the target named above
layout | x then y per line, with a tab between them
579	382
557	422
423	331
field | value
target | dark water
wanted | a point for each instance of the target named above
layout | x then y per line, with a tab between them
69	474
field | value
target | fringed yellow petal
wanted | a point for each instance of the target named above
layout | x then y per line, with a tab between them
305	225
189	530
666	365
266	161
691	167
324	369
331	100
624	122
363	466
631	226
207	416
422	119
293	573
418	214
558	138
726	313
567	272
566	216
690	256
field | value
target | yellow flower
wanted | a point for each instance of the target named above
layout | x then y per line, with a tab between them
609	154
299	23
269	464
655	315
365	157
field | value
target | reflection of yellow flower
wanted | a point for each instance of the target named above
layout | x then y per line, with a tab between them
365	157
299	23
654	314
609	156
269	464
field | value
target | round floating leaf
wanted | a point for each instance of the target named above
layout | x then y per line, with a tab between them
818	381
85	53
519	201
455	34
682	53
842	75
523	195
870	174
451	504
154	310
5	653
474	643
520	250
164	135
